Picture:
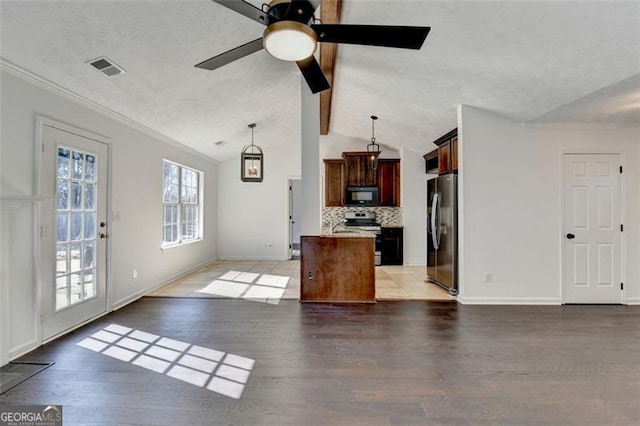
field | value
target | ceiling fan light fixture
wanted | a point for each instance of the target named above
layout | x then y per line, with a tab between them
289	40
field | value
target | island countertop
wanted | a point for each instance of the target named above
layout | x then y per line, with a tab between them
343	231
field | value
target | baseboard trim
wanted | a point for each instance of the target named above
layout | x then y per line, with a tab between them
508	300
18	351
252	258
633	300
137	295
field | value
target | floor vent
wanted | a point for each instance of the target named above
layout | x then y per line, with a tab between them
106	66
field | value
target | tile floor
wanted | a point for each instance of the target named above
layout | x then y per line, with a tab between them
271	281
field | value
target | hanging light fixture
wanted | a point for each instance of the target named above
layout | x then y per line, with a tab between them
373	149
251	161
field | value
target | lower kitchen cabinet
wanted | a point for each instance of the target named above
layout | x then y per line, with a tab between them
391	252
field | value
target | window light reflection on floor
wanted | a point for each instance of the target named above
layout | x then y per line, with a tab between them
241	285
220	372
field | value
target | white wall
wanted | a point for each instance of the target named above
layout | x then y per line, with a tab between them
413	193
255	215
136	180
333	145
510	211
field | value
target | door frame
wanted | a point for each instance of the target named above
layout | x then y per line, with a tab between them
39	249
623	216
289	248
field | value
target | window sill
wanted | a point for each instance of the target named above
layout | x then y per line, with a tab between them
182	244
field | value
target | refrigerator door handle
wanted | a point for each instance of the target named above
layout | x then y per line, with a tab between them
434	229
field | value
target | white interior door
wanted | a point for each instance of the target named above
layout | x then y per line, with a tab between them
593	234
74	230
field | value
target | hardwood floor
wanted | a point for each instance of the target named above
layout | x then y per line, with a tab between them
415	362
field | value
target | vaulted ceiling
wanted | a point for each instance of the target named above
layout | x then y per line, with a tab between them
529	61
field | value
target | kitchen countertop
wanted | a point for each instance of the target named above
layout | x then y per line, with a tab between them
392	225
343	232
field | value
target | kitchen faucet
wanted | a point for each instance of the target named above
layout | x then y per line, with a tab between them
334	224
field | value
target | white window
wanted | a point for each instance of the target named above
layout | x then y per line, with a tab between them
181	204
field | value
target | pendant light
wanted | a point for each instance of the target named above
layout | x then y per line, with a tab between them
251	161
373	149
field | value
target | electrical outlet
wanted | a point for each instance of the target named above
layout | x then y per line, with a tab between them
488	276
134	273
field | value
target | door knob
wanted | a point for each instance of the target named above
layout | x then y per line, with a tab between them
570	236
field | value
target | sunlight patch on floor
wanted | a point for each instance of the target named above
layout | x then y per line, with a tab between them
220	372
240	285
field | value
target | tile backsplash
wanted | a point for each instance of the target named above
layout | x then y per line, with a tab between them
384	215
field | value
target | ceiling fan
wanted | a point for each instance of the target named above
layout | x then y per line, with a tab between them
292	35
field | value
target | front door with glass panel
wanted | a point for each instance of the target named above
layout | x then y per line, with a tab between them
74	231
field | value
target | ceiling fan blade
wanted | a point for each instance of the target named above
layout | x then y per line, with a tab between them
372	35
246	9
302	10
313	74
231	55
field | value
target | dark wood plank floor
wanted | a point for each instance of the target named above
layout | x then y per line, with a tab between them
388	363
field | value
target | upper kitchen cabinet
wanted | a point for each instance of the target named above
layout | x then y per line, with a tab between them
334	183
357	170
445	156
389	182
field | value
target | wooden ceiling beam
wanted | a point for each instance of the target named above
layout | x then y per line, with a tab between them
329	14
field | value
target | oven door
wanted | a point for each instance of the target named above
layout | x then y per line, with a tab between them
377	251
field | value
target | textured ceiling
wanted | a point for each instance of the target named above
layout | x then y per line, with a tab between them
529	61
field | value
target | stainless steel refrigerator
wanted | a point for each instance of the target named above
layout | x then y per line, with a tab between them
442	232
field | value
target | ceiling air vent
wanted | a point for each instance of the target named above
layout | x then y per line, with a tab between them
106	66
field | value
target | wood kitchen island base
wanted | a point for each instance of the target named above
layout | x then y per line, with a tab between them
337	269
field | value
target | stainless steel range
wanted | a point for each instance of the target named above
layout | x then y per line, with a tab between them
366	221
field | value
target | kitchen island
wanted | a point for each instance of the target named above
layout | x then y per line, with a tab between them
337	267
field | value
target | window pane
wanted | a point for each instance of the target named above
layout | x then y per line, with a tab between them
170	183
77	164
89	283
89	196
88	256
89	226
76	288
90	170
62	287
76	196
76	226
62	227
63	163
62	259
63	194
76	264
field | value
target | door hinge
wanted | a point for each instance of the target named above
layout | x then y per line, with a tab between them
621	228
620	169
621	286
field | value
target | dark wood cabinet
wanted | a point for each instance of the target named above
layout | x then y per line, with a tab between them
431	162
389	182
337	269
334	183
391	251
358	170
354	170
443	159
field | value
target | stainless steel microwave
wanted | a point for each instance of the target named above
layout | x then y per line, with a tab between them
361	196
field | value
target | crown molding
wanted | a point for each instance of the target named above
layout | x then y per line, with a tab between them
17	71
